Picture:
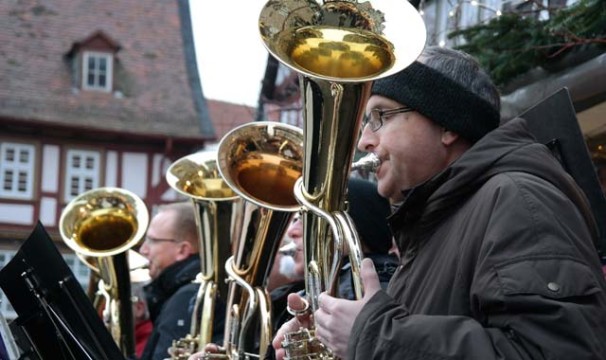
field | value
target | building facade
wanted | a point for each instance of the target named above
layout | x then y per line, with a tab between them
92	94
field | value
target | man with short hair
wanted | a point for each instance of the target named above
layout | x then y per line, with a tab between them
497	242
171	247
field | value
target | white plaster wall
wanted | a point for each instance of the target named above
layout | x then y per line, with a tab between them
48	211
158	173
134	173
111	169
50	169
19	214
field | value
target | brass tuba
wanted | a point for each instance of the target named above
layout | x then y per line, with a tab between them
261	161
217	209
101	226
338	48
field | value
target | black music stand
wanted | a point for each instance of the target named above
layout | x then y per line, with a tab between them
55	317
553	122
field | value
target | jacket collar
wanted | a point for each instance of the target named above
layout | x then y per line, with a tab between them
169	281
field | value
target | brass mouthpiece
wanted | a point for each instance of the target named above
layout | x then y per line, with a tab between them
369	162
288	249
137	261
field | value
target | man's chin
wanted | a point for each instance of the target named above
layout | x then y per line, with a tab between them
153	274
392	196
382	189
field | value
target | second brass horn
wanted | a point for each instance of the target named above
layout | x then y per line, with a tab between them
338	48
217	207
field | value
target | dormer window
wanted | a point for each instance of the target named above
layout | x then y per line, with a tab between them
93	62
97	71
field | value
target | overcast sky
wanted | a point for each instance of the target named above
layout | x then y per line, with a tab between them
231	56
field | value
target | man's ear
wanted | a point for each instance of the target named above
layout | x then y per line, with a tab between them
449	137
185	249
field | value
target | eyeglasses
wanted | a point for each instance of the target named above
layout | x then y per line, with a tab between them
151	240
296	217
376	117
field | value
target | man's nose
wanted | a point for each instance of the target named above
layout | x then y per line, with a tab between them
144	249
366	142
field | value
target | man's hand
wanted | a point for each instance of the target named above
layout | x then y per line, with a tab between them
296	303
209	348
335	317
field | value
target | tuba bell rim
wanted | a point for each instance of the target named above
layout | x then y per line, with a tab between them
226	147
403	28
202	160
84	203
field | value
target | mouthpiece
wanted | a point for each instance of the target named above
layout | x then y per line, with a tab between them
369	162
137	261
288	249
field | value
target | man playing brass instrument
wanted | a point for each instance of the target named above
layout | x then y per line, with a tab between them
171	246
497	258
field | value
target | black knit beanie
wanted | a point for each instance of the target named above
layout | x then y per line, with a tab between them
369	212
440	99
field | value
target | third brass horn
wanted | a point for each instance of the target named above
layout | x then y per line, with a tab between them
261	161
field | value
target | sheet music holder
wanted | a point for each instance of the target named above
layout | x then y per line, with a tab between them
54	313
553	122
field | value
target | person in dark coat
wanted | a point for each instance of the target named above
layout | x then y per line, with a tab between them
171	247
369	212
497	242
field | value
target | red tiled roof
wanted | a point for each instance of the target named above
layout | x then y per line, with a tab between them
37	84
226	116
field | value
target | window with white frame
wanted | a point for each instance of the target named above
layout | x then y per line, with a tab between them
97	71
290	116
17	170
82	172
78	268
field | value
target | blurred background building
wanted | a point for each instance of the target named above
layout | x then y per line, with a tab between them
92	94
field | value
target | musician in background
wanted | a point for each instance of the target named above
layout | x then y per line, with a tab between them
143	323
368	211
171	247
283	269
497	241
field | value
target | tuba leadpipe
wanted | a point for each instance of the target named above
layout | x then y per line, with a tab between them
261	161
101	226
217	209
338	48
